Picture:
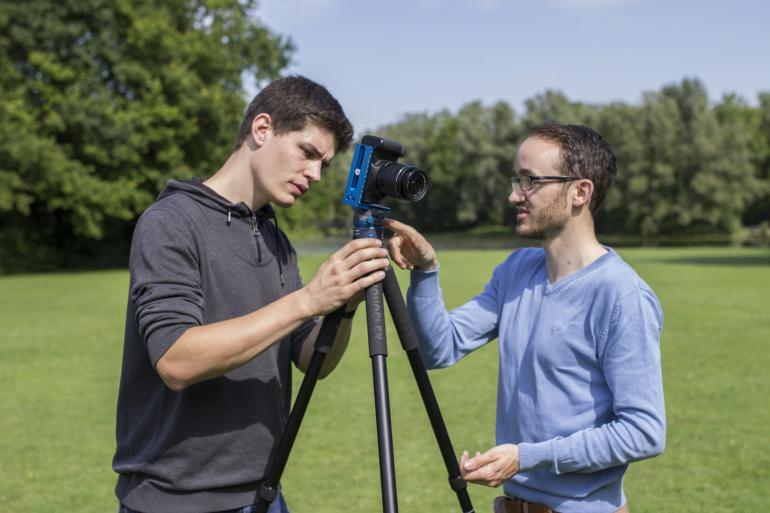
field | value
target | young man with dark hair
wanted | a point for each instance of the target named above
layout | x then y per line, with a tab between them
217	312
580	392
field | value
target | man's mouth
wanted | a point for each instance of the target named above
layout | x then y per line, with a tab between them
298	189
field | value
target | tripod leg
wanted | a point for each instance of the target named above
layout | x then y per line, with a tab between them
378	351
270	486
409	342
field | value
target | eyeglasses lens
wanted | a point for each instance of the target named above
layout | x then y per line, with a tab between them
524	182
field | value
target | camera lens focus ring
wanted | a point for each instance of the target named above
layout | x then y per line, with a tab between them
401	181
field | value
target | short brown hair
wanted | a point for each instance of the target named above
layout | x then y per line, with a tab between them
292	102
585	154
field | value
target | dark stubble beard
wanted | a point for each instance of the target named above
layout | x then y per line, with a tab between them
547	221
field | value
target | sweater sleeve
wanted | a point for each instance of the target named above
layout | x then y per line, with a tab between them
165	280
301	334
630	360
445	337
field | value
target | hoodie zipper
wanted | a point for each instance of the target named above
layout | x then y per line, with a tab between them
254	227
255	232
257	235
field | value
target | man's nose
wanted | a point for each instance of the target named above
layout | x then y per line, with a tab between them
313	173
516	196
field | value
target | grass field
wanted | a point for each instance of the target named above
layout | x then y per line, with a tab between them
60	351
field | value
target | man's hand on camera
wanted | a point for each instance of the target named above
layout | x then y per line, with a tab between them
409	249
491	468
356	266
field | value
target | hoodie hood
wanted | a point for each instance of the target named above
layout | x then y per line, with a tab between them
209	198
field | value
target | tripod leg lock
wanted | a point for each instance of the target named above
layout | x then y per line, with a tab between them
268	494
457	483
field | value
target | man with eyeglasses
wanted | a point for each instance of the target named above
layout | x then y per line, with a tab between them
580	391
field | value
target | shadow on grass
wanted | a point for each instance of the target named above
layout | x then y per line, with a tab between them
720	260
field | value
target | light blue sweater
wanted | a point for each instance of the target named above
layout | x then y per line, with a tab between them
579	387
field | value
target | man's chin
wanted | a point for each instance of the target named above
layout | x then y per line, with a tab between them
528	233
286	203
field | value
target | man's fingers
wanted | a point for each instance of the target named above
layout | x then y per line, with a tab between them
356	245
400	228
480	476
363	255
479	461
402	249
485	469
369	280
368	266
395	249
408	248
341	267
486	475
393	225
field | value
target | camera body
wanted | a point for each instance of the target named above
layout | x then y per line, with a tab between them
375	174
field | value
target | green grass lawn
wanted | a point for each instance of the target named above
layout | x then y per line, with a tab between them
60	351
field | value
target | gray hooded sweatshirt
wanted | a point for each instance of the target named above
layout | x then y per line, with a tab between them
196	259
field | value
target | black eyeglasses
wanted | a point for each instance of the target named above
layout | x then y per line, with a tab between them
527	182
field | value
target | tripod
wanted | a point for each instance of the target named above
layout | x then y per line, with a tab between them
367	223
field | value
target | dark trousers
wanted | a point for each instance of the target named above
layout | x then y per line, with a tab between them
277	506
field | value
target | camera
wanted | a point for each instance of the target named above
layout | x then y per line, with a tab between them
375	175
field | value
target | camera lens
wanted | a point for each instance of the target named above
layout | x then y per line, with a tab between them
401	181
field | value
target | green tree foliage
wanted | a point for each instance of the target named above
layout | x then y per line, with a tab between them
648	181
623	128
754	123
685	166
486	141
554	107
469	159
427	147
714	178
102	102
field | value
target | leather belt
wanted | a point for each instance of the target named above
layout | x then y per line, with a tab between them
514	505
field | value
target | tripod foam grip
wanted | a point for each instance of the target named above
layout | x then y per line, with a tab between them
398	311
375	321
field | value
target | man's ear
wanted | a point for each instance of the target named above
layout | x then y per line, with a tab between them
583	193
260	128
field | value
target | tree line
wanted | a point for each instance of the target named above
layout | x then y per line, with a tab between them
102	102
687	167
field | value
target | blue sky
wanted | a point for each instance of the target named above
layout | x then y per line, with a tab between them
383	59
